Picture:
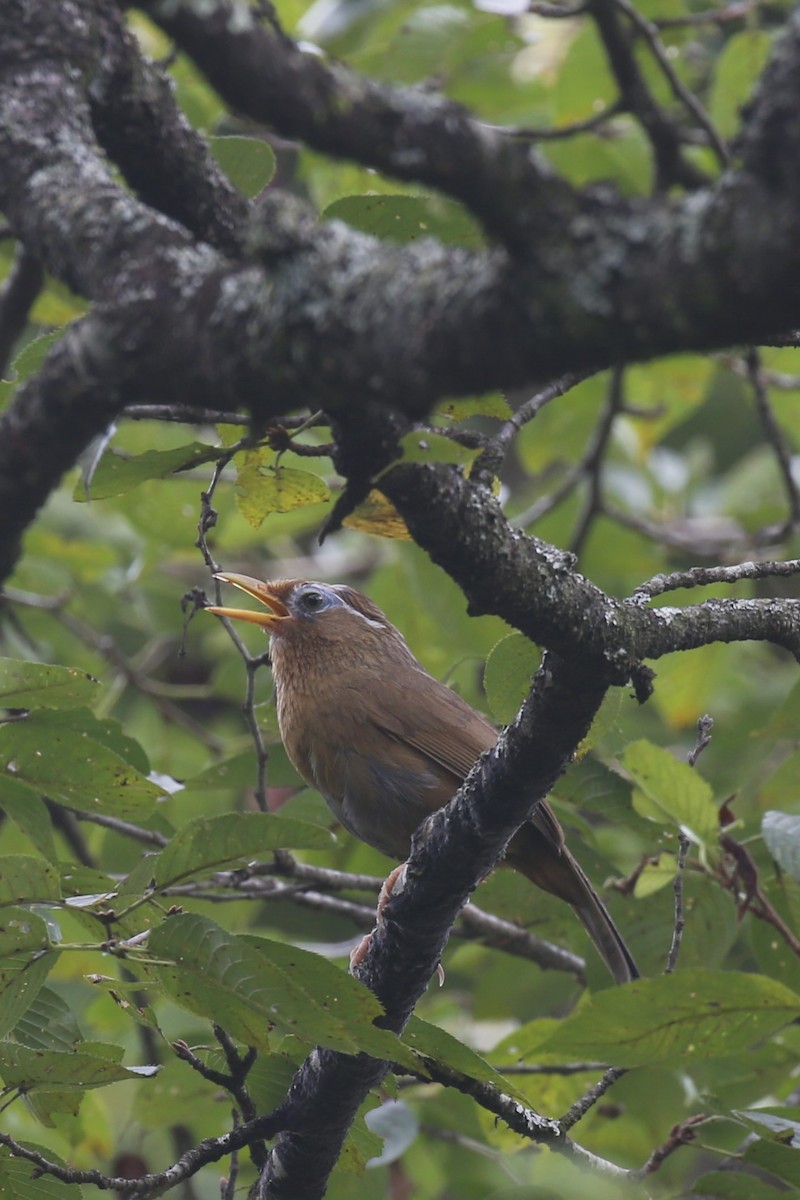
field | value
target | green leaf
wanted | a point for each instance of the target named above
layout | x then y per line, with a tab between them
28	880
737	69
782	1121
29	812
209	843
339	995
779	1159
49	1024
693	1014
251	986
781	832
435	1043
406	219
37	685
421	447
22	1067
240	770
730	1185
508	673
28	362
668	391
115	476
248	162
261	490
77	771
21	1179
671	792
25	962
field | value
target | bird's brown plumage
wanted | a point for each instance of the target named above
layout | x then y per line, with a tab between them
386	743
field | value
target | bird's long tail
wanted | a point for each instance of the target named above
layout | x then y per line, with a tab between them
609	942
537	854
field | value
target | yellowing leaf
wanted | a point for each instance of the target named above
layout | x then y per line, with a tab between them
379	516
493	404
264	490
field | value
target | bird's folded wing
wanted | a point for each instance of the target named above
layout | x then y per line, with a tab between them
450	736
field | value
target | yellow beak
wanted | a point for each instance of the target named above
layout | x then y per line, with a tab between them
253	587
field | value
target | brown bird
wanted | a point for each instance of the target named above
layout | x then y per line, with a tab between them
386	743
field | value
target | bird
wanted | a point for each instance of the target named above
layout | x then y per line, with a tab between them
386	743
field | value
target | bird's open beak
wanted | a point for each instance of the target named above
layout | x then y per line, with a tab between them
254	587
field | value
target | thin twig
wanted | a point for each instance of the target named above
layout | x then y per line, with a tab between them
705	576
704	727
679	1135
590	1098
488	465
206	522
650	33
776	440
531	133
593	458
205	1152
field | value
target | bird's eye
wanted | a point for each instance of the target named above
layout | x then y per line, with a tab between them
312	600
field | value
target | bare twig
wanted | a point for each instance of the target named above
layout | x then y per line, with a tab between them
777	441
704	727
679	1135
704	576
590	1098
650	33
208	1151
560	132
743	882
592	462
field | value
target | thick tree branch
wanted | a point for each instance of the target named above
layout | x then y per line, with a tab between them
635	279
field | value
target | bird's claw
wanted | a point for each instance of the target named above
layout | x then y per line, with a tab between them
358	955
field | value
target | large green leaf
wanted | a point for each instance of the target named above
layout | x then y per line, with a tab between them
74	769
691	1014
25	879
250	986
27	810
737	69
435	1043
22	1180
209	843
48	1024
780	1160
25	962
115	475
41	685
671	792
20	1066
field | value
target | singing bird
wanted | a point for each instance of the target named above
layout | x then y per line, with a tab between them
385	743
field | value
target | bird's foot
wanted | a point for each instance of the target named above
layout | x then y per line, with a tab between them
389	884
358	955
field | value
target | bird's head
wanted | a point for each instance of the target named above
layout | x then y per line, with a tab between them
298	608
